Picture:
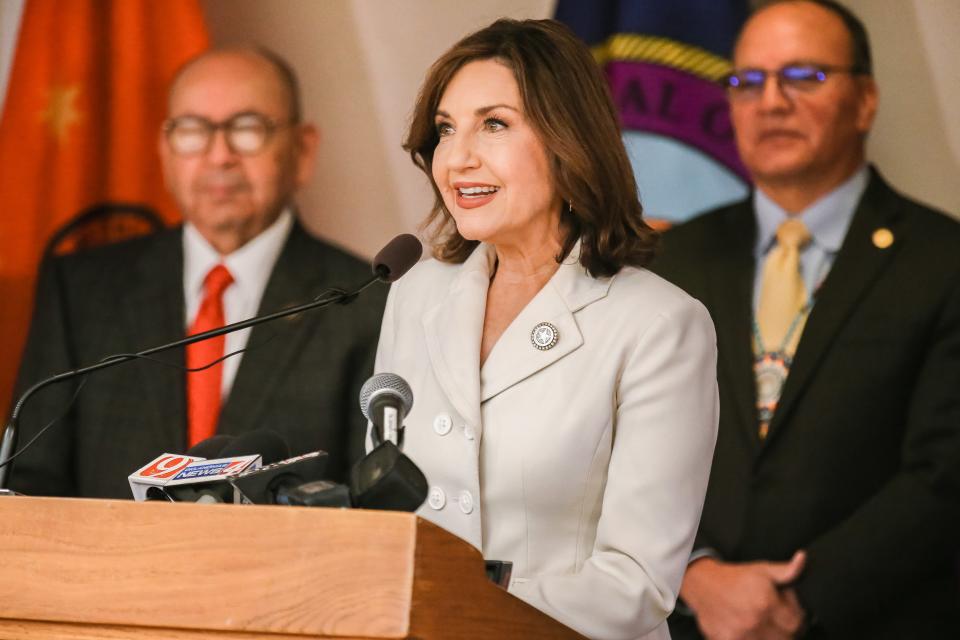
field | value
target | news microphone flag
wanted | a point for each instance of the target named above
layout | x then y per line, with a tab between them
157	472
664	61
171	470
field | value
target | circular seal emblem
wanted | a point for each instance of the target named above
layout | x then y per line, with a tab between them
544	336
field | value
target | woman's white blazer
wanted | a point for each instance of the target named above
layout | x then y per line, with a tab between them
584	464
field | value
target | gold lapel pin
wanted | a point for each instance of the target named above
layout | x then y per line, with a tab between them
882	238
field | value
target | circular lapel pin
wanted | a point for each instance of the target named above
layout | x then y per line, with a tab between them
544	336
882	238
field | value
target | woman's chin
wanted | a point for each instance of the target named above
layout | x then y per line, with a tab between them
474	232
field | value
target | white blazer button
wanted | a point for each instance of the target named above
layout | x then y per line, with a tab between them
437	498
442	424
466	502
469	433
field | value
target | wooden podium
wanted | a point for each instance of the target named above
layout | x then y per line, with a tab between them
84	569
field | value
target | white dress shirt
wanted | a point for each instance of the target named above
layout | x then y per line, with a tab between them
250	266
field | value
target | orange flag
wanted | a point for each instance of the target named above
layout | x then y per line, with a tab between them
85	101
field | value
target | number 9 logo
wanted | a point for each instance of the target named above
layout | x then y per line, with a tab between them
166	466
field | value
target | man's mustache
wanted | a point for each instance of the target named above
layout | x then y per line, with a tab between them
221	181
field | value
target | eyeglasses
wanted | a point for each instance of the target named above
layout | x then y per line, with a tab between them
246	133
792	78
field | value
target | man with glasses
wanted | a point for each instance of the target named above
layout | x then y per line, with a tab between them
833	509
234	151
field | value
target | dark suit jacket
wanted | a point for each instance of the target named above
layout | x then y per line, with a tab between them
862	463
301	375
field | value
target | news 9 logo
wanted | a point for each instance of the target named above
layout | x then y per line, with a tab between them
166	466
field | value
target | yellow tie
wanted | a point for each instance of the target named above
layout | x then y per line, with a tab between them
782	293
780	318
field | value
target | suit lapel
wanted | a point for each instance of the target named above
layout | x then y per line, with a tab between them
856	268
274	345
730	283
453	329
155	312
514	357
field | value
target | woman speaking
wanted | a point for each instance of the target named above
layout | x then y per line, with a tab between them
566	400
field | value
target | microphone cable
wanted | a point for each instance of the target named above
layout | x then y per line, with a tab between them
333	292
66	410
393	260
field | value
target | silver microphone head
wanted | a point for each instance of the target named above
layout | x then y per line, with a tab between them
385	383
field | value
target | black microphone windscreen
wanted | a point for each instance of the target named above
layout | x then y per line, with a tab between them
387	479
396	258
268	444
211	447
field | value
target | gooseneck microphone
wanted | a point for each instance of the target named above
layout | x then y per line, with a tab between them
395	259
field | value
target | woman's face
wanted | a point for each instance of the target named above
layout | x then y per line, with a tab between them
490	166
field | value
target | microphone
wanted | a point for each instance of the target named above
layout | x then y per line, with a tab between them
385	400
268	444
206	481
147	481
318	493
394	260
180	478
385	478
211	480
397	257
295	481
191	477
211	447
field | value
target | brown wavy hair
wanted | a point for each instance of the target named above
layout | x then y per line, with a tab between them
566	100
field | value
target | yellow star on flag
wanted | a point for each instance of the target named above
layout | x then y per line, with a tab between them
61	111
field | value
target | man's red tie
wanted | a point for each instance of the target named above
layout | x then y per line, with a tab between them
203	387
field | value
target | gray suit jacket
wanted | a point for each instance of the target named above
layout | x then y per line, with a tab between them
301	375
